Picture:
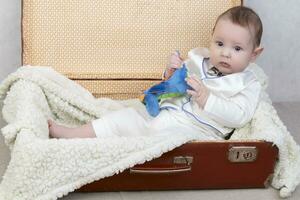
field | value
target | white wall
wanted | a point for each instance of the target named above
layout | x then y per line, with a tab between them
280	59
10	36
281	39
10	53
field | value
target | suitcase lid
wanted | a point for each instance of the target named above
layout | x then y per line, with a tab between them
114	39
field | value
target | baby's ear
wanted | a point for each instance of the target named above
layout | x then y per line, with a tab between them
257	51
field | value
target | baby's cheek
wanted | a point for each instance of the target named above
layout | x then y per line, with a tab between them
213	60
239	66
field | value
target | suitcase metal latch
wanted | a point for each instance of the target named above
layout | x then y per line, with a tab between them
242	154
183	160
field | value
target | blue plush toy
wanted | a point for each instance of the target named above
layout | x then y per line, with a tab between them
173	87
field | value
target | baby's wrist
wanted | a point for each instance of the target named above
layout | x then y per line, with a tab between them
203	99
203	103
167	73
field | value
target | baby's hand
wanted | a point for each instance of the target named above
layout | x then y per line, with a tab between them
174	62
199	93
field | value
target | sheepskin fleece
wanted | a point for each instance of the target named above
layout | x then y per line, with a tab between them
43	168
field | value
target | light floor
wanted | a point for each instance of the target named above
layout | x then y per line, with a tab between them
289	112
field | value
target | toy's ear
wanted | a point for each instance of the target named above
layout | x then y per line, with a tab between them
158	89
152	105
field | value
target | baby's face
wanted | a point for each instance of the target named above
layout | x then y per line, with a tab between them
231	48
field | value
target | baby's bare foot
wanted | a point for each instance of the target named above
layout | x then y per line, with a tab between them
59	131
52	128
56	131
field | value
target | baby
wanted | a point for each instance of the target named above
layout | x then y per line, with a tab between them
224	92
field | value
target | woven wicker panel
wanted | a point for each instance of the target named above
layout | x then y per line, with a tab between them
116	89
98	39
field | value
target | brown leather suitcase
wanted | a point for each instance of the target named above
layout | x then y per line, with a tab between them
117	49
198	165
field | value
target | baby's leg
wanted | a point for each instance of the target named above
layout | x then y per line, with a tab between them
58	131
126	122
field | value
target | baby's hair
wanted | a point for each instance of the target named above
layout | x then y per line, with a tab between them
244	17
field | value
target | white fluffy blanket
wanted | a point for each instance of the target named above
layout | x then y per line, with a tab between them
43	168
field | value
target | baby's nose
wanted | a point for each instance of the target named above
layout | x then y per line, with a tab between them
226	52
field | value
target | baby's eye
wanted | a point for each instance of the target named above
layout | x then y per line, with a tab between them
237	48
220	44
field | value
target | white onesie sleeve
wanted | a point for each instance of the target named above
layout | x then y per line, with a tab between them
235	111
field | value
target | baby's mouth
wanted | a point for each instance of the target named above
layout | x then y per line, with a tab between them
224	64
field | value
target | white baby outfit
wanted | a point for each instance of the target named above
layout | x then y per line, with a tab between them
231	103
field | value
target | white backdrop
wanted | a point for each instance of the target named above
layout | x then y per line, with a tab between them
281	40
280	59
10	36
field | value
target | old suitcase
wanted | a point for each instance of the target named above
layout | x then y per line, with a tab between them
119	48
198	165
